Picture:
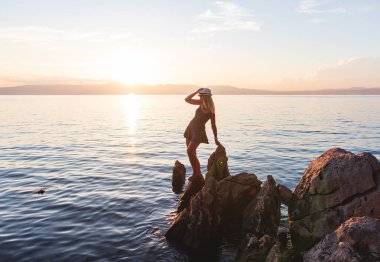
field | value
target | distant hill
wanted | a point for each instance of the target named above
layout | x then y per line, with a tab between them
119	89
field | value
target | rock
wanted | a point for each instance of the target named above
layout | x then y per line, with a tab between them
357	239
336	186
234	193
285	194
262	215
254	248
178	178
195	184
198	226
41	191
274	254
217	166
193	225
261	219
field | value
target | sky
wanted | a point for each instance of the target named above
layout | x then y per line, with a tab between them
278	45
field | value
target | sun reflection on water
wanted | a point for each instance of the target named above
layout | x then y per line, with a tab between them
132	104
131	113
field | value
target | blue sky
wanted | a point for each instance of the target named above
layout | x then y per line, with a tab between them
300	44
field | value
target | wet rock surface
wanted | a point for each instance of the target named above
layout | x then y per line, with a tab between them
336	186
357	239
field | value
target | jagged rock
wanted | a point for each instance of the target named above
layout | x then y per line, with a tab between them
217	164
358	239
336	186
198	225
285	194
178	177
261	219
262	215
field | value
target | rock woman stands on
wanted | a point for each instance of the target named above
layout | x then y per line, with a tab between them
195	133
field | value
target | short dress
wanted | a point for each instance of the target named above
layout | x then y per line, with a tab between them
196	129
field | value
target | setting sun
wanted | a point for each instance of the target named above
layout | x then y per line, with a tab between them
130	69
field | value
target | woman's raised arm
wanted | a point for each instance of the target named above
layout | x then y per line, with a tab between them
189	99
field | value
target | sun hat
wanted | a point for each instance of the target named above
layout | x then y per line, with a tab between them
205	92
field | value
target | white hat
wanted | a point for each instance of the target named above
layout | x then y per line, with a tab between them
205	92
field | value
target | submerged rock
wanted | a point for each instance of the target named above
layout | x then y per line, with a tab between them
178	177
358	239
336	186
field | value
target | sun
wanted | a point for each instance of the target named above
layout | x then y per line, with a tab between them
131	69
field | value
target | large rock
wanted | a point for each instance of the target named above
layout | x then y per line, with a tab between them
336	186
358	239
199	225
261	219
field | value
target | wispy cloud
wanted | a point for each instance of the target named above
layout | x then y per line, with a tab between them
318	7
227	16
45	35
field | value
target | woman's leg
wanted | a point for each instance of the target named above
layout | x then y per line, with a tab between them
192	153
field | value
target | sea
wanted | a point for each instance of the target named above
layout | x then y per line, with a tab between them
105	163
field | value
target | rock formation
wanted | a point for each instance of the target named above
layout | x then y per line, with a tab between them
339	191
178	178
357	239
199	225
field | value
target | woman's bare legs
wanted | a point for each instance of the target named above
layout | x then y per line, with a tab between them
196	181
192	153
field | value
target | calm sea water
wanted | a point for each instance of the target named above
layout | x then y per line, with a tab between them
106	164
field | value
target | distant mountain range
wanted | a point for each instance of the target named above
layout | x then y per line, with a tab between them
119	89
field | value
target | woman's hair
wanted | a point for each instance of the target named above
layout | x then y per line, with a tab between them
208	103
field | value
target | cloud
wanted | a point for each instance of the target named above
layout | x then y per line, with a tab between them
45	35
227	16
317	7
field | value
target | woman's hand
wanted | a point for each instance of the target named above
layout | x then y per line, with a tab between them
217	142
199	90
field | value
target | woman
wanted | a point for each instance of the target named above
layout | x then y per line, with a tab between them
195	132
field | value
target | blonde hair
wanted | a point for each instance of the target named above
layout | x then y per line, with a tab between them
208	103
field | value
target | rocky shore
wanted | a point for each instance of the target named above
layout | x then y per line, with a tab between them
333	213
